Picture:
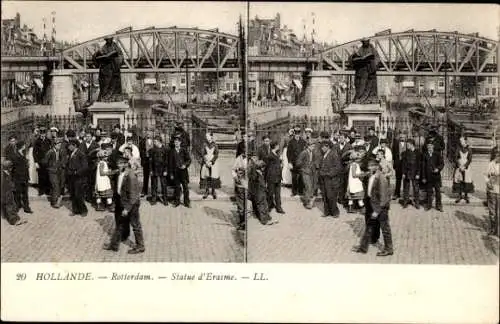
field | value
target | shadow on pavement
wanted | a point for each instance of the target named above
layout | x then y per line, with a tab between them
108	226
357	226
481	225
228	219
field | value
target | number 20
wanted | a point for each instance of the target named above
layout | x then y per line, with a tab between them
21	276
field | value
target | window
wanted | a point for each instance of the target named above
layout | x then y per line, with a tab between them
494	91
487	91
441	84
183	80
235	87
228	86
490	80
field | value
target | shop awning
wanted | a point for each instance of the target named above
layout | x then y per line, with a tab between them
39	83
149	81
297	83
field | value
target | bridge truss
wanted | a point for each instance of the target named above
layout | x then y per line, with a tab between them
162	50
421	53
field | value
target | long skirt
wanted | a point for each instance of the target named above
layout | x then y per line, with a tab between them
209	177
462	182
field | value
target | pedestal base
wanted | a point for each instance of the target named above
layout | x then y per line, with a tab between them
319	93
107	114
363	116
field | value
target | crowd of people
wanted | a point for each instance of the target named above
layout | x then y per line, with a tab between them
340	166
103	169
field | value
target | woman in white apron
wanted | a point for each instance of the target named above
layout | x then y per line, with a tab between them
462	182
33	174
286	172
355	191
209	174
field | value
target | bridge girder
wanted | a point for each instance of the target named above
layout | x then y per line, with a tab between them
162	50
421	53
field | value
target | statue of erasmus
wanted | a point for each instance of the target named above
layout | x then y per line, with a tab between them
109	60
365	62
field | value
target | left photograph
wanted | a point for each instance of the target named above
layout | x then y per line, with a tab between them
122	131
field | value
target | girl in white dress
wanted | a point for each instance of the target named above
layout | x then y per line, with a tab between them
104	192
33	174
209	174
355	191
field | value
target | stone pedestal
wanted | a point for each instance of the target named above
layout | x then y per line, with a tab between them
107	114
363	116
319	93
61	92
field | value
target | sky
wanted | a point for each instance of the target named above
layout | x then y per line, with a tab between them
344	22
85	20
341	22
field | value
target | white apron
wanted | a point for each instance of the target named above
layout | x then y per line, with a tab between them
102	183
354	184
286	173
31	167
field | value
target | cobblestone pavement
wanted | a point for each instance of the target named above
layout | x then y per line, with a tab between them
204	233
457	236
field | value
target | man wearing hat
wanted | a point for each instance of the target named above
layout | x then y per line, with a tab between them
399	146
178	164
20	175
329	171
257	190
411	164
89	148
317	157
40	148
146	144
8	202
377	210
435	138
118	135
77	172
128	207
53	133
240	139
296	145
308	134
344	148
239	172
432	164
56	166
265	148
305	163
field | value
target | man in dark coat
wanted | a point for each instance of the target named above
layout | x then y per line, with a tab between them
56	167
317	157
432	164
129	202
41	146
330	170
178	164
296	145
273	177
120	138
159	170
372	139
20	175
89	149
257	191
240	139
9	206
399	146
77	171
145	146
305	162
411	164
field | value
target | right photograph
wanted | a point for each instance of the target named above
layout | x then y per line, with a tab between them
372	133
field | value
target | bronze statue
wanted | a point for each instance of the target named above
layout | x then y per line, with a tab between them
109	60
365	62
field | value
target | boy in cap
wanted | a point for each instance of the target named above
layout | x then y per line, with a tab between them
128	205
377	210
8	202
